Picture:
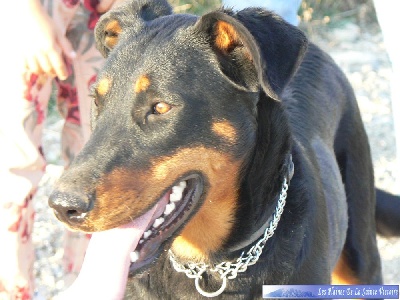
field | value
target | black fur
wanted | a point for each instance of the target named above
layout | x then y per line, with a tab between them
387	214
282	95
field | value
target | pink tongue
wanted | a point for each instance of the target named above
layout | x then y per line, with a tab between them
105	269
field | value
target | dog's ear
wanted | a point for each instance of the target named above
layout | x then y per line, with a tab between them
274	47
130	15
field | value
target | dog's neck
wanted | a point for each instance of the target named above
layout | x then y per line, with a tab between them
258	233
229	270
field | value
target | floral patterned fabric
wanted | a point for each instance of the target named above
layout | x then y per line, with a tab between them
22	161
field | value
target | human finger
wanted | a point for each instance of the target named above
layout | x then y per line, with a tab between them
44	64
66	47
58	65
32	65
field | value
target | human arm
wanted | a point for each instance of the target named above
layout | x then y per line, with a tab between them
44	43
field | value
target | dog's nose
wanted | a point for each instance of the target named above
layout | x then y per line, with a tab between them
70	208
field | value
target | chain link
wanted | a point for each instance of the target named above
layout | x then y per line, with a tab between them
229	270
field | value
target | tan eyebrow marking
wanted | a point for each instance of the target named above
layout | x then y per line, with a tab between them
225	130
104	86
142	84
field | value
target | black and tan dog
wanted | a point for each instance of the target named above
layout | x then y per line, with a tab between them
215	137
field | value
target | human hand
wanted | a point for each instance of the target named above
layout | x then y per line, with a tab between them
45	43
106	5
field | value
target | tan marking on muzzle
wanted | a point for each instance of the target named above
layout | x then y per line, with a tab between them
125	194
225	130
120	195
212	224
142	84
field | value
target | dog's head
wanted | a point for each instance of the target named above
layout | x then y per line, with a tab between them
175	121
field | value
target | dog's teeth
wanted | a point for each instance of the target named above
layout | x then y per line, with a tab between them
141	241
147	233
178	189
134	256
158	222
176	194
175	197
182	184
169	208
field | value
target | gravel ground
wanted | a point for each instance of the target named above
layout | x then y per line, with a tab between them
362	56
360	53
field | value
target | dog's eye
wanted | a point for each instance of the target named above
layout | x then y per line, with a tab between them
96	101
93	95
161	108
94	98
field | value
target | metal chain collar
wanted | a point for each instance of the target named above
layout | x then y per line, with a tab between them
229	270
